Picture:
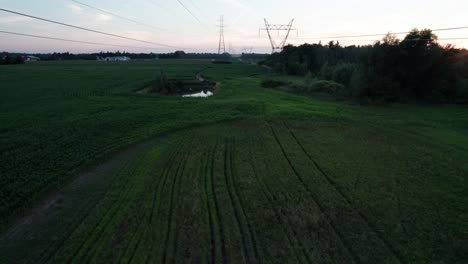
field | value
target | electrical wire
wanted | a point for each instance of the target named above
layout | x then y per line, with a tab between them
86	42
381	34
116	15
368	40
71	40
194	4
159	5
191	13
89	30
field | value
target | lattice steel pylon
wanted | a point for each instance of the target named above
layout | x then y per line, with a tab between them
269	28
221	45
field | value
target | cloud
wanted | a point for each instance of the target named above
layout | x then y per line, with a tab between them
103	18
77	10
13	19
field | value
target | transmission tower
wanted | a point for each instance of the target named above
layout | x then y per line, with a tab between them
270	28
222	45
247	49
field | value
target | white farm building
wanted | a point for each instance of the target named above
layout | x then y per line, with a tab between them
119	58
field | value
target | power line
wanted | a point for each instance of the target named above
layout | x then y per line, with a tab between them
194	5
71	40
246	49
368	40
87	29
451	38
158	5
191	13
116	15
382	34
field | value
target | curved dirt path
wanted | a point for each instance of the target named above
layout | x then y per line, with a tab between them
88	178
40	212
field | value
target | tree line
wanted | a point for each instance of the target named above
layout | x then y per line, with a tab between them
391	70
7	59
57	56
17	58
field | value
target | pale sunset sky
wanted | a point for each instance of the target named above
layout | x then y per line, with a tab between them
168	22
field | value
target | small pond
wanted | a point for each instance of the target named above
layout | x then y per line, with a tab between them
202	94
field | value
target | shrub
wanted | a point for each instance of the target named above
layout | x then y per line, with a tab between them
270	83
326	71
295	68
221	62
309	79
328	87
462	97
357	83
278	68
161	83
342	73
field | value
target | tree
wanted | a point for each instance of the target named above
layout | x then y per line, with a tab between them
416	68
161	84
12	59
179	54
391	39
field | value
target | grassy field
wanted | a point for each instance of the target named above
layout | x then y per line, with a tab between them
248	175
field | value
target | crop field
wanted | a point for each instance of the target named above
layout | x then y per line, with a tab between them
93	172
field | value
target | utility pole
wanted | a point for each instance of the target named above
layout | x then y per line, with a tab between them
221	45
270	28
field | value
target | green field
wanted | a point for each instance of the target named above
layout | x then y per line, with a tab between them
93	172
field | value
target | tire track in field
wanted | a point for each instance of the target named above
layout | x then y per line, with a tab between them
176	184
180	163
215	201
279	214
167	169
93	250
127	206
48	253
51	181
103	222
314	198
138	234
96	203
229	187
53	249
335	186
48	256
109	156
237	193
204	172
161	183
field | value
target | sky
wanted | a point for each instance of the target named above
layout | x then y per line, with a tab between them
168	22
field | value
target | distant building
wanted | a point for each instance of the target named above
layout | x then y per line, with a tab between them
119	58
31	58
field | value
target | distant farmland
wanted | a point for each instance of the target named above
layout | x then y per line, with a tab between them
94	172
